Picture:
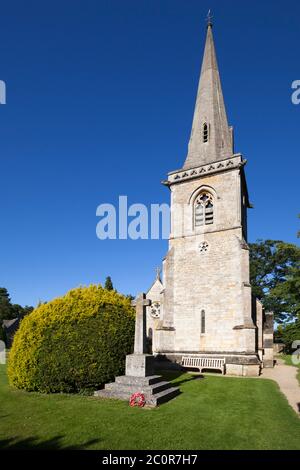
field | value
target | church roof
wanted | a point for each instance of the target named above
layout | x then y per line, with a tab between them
157	285
9	323
210	112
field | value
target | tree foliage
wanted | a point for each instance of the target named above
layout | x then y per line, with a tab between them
8	311
6	308
73	343
288	334
108	283
275	277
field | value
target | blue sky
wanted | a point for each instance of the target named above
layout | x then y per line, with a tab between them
100	98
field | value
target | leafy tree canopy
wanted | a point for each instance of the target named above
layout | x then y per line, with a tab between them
6	308
275	277
289	334
8	311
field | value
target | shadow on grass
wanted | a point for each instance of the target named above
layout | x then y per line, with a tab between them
34	443
174	375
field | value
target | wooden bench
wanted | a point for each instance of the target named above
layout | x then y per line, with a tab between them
200	363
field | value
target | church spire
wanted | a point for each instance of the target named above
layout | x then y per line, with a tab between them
211	138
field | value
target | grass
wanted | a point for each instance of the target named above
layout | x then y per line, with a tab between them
288	360
211	413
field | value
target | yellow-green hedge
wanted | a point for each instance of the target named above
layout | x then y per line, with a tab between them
73	343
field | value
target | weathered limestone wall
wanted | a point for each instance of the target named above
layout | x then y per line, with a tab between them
226	189
259	323
268	339
154	313
278	348
214	279
217	291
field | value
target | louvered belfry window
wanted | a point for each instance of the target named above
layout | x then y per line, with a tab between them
204	209
205	132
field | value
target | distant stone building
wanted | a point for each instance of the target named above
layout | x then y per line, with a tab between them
204	305
10	327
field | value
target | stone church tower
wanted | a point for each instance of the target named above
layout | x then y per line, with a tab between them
204	305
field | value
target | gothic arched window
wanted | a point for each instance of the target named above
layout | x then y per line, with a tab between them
205	132
202	321
204	209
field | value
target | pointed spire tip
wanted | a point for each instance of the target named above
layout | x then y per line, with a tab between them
209	19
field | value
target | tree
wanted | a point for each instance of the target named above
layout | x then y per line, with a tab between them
287	295
288	334
2	335
6	308
8	311
108	284
20	311
275	277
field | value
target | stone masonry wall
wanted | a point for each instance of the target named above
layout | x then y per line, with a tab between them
215	280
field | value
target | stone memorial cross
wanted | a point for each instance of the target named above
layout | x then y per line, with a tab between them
140	304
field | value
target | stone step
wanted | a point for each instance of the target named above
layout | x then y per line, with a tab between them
116	394
160	386
132	388
163	396
151	379
152	400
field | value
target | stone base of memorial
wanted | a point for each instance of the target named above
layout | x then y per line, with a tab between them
155	390
139	374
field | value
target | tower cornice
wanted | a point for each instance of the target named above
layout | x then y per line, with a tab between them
182	175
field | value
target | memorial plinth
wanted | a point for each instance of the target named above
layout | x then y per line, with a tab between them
139	372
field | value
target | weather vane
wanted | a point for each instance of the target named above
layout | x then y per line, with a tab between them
158	271
209	18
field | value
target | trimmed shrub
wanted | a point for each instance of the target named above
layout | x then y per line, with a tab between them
73	343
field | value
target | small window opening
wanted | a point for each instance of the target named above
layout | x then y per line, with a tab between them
205	132
202	321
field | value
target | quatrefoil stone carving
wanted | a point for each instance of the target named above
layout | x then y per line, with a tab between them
203	247
155	310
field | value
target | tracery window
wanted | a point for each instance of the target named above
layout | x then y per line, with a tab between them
204	209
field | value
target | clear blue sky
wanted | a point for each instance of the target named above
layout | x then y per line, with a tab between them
100	97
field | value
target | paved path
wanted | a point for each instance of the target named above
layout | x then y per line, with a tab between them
286	377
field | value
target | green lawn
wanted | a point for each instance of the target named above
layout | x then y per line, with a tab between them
288	360
211	413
